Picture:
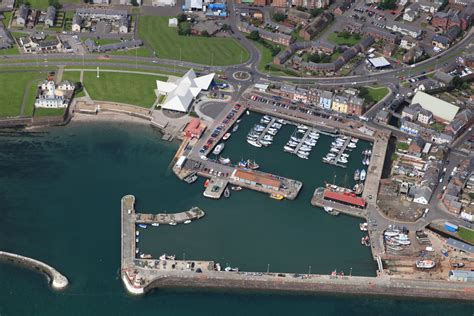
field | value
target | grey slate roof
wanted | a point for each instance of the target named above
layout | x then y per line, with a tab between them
459	245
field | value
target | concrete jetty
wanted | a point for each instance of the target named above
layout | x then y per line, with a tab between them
58	281
264	132
215	188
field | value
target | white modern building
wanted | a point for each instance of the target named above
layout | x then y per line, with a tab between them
181	93
54	96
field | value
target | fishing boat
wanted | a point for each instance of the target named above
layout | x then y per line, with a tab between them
254	143
363	174
227	193
142	225
363	227
226	136
252	164
359	188
365	241
331	211
237	188
425	264
235	128
242	164
187	221
276	196
457	264
191	178
155	224
219	148
145	256
206	183
167	257
224	161
391	232
357	175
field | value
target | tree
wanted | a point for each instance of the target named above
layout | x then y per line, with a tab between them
458	83
205	33
275	50
316	12
387	4
356	36
184	28
182	17
225	27
254	35
279	17
315	58
134	3
55	3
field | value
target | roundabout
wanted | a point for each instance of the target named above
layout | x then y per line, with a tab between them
241	75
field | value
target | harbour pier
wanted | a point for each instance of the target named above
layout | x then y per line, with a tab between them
142	275
305	136
339	154
215	188
58	281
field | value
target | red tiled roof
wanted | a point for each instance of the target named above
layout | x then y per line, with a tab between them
344	198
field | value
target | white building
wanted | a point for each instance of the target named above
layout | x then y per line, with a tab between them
181	93
163	3
54	97
173	22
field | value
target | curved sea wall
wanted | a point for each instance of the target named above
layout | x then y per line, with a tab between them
58	281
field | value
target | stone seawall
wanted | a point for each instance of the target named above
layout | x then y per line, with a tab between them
58	281
405	288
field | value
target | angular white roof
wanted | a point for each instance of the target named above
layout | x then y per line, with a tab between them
438	107
379	62
180	94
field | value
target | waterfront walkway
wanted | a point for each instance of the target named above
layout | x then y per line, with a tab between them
58	281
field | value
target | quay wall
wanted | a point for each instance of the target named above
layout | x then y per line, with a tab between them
348	286
58	281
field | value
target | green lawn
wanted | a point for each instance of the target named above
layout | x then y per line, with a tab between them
438	127
140	52
466	234
203	50
127	88
266	56
377	93
7	16
49	112
38	4
351	41
74	76
12	89
10	51
30	101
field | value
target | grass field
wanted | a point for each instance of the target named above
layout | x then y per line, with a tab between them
13	87
140	52
466	234
38	4
136	89
74	76
351	41
203	50
266	56
377	93
49	112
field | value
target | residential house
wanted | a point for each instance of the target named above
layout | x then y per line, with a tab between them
124	24
208	27
404	29
442	138
413	54
316	26
279	3
411	12
325	100
6	41
22	15
411	112
299	17
275	37
408	42
287	91
424	116
76	23
383	116
301	95
389	49
353	27
416	146
340	104
52	97
380	35
356	106
314	96
430	6
409	127
462	120
445	40
420	194
50	16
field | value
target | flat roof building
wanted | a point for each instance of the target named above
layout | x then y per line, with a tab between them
253	178
442	110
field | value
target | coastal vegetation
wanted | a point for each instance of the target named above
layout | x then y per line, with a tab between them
135	89
167	43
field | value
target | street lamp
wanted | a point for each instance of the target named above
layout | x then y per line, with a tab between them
268	268
309	270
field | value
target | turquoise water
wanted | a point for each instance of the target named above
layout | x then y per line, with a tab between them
60	193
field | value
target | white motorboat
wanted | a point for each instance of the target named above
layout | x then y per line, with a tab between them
273	133
155	224
288	149
363	174
334	150
254	143
258	128
224	161
342	160
326	159
301	156
276	125
351	145
330	155
296	139
264	121
354	140
425	264
303	153
187	221
265	142
302	127
302	131
219	148
267	117
268	137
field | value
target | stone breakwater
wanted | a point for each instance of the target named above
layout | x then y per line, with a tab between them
58	281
